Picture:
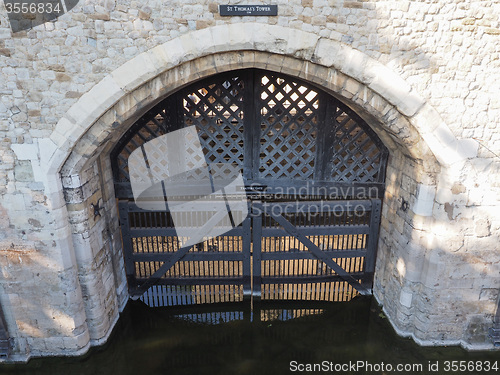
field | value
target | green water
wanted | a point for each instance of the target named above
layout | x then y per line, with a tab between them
164	341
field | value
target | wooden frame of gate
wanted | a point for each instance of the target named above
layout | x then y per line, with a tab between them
182	275
294	251
295	145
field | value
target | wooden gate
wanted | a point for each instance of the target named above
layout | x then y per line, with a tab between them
314	250
313	174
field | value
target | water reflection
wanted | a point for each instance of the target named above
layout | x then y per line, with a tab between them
235	339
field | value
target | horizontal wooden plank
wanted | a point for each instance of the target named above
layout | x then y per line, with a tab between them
198	256
326	189
285	255
196	281
165	232
296	188
306	279
189	206
330	230
312	207
152	232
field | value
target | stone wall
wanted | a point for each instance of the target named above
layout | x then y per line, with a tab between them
425	75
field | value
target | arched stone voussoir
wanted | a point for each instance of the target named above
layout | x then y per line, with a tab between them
447	149
340	69
370	73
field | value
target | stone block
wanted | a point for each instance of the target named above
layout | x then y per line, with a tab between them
301	44
71	182
172	52
197	43
15	202
240	37
95	102
269	39
425	200
200	68
444	136
327	53
54	344
414	262
468	148
25	151
432	269
354	63
352	87
59	217
67	131
477	329
405	298
54	191
224	35
482	227
23	171
393	88
134	72
489	294
78	342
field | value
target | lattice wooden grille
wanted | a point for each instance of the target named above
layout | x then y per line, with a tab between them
288	128
150	130
216	109
354	156
271	126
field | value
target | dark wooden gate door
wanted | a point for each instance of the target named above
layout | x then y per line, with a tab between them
314	250
313	174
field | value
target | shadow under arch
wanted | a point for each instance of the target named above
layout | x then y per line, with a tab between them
93	125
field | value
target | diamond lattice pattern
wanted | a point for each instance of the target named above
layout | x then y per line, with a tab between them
288	129
354	155
153	127
287	117
216	110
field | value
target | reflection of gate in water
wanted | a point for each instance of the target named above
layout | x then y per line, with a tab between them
295	145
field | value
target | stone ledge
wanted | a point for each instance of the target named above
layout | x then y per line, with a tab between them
429	343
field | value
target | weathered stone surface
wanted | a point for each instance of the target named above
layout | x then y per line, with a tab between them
424	75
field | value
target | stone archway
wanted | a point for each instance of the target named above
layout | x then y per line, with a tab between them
75	158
